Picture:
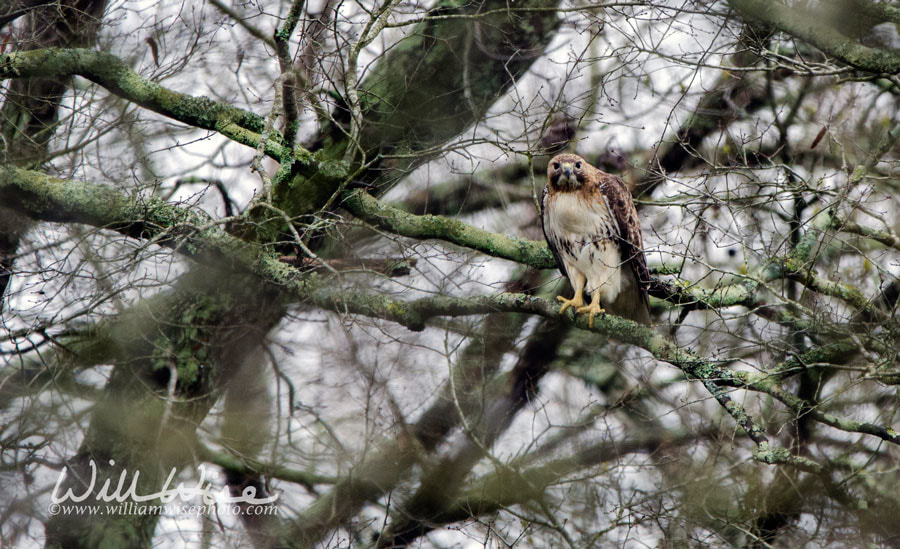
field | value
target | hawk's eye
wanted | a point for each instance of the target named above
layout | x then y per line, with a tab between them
556	165
578	165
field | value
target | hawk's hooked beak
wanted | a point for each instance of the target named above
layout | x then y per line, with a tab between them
567	173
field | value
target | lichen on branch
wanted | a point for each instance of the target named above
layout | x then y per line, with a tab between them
113	74
804	25
394	220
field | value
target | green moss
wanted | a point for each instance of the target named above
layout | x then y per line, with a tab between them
367	208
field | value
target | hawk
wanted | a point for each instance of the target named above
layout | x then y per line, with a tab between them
592	228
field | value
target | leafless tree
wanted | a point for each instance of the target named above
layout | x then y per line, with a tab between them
292	251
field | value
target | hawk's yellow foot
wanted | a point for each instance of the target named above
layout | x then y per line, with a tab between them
592	310
576	302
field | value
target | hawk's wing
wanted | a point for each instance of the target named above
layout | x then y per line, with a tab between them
618	197
550	241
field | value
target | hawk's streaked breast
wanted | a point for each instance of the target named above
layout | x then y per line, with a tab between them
584	235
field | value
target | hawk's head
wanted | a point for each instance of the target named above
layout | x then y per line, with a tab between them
567	172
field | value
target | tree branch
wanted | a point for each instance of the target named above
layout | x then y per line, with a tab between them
805	26
506	487
250	466
113	74
888	238
242	21
528	252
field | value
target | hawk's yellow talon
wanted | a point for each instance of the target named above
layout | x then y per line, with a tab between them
592	310
576	302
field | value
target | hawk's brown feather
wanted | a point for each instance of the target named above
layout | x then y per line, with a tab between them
630	237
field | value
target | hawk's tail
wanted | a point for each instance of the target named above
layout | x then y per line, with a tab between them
631	303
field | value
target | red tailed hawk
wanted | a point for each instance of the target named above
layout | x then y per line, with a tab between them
592	227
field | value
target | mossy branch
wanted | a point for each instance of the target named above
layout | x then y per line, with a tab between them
798	266
888	238
413	314
844	292
528	252
782	456
537	254
191	233
805	26
113	74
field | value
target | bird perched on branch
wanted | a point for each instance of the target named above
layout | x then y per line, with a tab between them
592	228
